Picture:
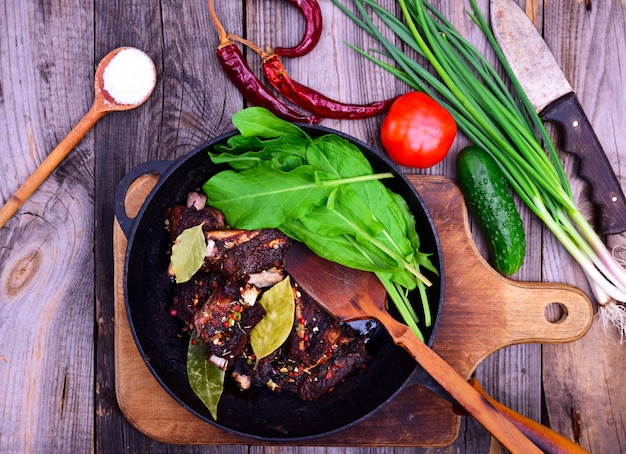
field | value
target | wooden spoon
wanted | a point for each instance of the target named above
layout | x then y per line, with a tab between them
104	102
350	294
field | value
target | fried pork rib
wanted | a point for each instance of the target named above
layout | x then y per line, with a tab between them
319	353
220	303
225	320
181	217
243	253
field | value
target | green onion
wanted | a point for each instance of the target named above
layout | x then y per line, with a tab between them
500	120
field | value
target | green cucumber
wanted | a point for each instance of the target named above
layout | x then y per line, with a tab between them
488	195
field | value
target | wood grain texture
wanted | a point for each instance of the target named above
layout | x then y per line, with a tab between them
46	250
512	375
56	263
583	407
119	138
181	113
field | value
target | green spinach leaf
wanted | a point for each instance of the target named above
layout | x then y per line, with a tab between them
263	196
421	259
260	122
285	152
337	156
327	197
346	215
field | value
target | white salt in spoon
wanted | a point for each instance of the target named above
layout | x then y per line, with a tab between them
124	79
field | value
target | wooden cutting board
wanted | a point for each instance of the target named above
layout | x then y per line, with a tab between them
482	312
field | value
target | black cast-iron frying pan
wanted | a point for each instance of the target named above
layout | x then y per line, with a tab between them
258	413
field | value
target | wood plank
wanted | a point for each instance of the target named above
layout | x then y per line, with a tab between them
119	138
47	59
46	249
582	380
182	113
512	375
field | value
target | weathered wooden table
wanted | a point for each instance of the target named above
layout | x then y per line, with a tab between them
57	373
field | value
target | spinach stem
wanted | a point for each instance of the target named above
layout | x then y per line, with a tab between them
384	248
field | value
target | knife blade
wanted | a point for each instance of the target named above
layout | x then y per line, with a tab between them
553	98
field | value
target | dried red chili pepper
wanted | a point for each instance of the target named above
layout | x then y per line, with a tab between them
312	14
314	101
308	98
242	76
253	90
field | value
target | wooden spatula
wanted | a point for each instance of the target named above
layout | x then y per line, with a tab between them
350	294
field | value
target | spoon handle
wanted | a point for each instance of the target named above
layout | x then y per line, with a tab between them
466	395
547	439
50	163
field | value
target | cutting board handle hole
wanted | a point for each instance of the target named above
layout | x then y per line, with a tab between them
556	312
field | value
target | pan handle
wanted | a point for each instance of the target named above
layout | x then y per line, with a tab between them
155	169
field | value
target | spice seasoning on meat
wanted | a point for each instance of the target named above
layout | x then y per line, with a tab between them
130	76
220	305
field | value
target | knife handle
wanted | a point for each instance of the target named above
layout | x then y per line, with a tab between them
579	139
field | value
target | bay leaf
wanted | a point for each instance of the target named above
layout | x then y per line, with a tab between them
188	253
274	329
205	378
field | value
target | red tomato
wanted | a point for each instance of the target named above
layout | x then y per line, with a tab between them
417	131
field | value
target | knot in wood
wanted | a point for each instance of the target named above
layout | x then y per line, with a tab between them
19	271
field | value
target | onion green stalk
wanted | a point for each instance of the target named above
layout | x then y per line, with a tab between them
500	120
